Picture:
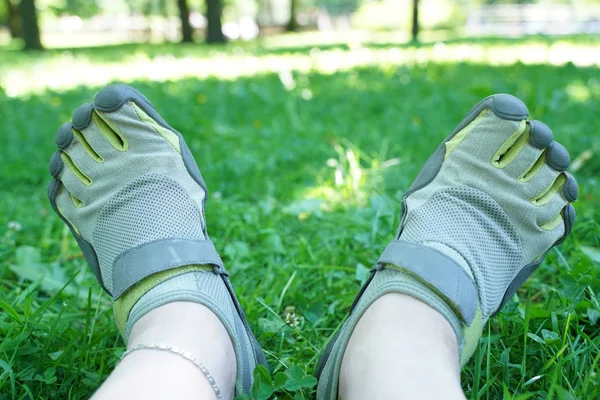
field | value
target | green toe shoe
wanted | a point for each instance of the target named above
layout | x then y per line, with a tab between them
479	218
128	187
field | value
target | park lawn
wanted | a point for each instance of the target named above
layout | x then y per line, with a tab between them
305	168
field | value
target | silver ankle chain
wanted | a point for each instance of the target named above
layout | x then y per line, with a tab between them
182	353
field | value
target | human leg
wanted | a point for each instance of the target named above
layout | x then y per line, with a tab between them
387	354
161	374
129	189
478	220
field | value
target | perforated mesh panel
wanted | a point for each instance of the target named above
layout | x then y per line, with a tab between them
149	208
472	223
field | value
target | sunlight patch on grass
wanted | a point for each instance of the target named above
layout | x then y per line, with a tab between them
578	91
349	180
65	71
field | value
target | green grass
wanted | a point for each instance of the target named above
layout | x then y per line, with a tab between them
295	241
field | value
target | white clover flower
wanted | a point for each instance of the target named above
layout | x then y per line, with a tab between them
15	226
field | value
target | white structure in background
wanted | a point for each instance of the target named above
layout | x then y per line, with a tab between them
126	28
197	20
244	29
71	23
529	19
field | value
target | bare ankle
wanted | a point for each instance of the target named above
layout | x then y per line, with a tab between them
192	328
401	336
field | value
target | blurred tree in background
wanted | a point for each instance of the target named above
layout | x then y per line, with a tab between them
292	24
29	25
65	23
415	20
186	28
214	29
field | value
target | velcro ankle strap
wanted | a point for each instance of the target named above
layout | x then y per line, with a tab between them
135	264
436	269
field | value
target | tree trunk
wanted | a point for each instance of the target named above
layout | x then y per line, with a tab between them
292	24
186	28
29	25
214	31
415	21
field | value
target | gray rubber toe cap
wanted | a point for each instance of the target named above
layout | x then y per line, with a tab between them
64	136
508	107
112	97
569	216
56	164
83	116
570	188
558	157
540	135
